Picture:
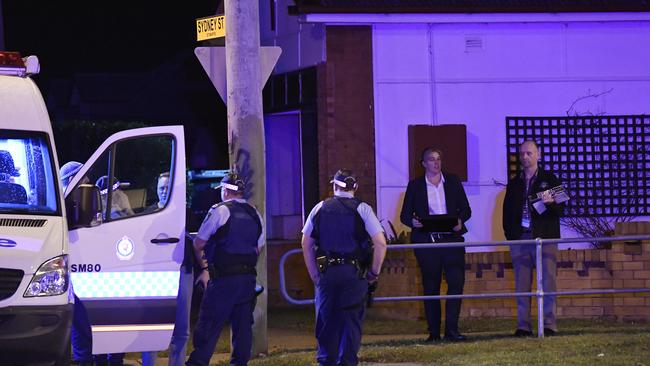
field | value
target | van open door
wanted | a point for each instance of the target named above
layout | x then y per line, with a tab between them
125	269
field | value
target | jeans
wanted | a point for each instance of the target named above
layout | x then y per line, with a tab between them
523	262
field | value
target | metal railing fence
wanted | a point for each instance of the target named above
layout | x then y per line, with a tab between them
539	293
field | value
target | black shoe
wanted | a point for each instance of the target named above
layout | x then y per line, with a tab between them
523	333
432	338
454	336
548	332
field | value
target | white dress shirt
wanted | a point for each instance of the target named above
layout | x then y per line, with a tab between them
436	197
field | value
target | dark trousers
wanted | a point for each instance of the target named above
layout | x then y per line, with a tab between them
432	263
82	340
82	337
340	309
226	298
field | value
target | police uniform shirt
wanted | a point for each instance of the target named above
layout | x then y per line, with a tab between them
372	225
218	216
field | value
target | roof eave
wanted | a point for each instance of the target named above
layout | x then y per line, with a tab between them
488	8
442	18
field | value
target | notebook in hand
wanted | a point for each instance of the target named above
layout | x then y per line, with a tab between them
439	223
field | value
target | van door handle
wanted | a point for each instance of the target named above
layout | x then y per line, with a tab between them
165	241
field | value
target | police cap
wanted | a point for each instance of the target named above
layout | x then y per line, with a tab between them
233	182
345	179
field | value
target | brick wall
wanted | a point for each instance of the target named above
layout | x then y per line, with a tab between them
625	265
346	132
299	285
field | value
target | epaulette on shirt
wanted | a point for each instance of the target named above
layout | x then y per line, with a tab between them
214	207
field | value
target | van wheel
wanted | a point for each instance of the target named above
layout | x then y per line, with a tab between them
66	357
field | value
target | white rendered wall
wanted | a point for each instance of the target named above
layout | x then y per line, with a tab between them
303	44
424	75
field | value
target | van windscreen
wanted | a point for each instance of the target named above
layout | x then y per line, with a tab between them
27	179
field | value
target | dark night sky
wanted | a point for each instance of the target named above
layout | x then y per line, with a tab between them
107	36
137	36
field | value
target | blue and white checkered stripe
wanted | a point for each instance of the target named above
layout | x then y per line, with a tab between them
125	284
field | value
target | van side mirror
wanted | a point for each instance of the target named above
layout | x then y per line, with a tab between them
83	207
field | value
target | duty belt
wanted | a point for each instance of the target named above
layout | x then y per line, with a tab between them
327	261
440	236
231	270
336	261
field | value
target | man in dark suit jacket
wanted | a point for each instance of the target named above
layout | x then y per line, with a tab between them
438	193
522	220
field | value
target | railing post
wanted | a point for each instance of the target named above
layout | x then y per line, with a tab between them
540	288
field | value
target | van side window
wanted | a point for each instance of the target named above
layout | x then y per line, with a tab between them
140	171
145	163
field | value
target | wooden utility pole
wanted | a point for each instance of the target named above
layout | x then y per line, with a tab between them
246	127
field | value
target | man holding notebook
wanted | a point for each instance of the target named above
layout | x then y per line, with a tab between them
436	209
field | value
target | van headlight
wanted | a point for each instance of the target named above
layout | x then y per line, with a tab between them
51	279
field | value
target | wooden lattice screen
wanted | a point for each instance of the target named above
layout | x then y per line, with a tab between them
604	161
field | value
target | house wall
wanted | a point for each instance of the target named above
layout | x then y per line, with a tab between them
428	74
425	74
303	44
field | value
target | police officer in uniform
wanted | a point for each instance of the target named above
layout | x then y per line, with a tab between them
226	247
342	263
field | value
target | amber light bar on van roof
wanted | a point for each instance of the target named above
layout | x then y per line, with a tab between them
12	64
11	59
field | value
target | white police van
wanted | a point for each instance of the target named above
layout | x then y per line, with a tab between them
110	238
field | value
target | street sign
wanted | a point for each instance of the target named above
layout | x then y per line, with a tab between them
210	27
213	60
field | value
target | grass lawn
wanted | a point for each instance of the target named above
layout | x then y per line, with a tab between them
581	342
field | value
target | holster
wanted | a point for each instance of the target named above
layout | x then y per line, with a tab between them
321	262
